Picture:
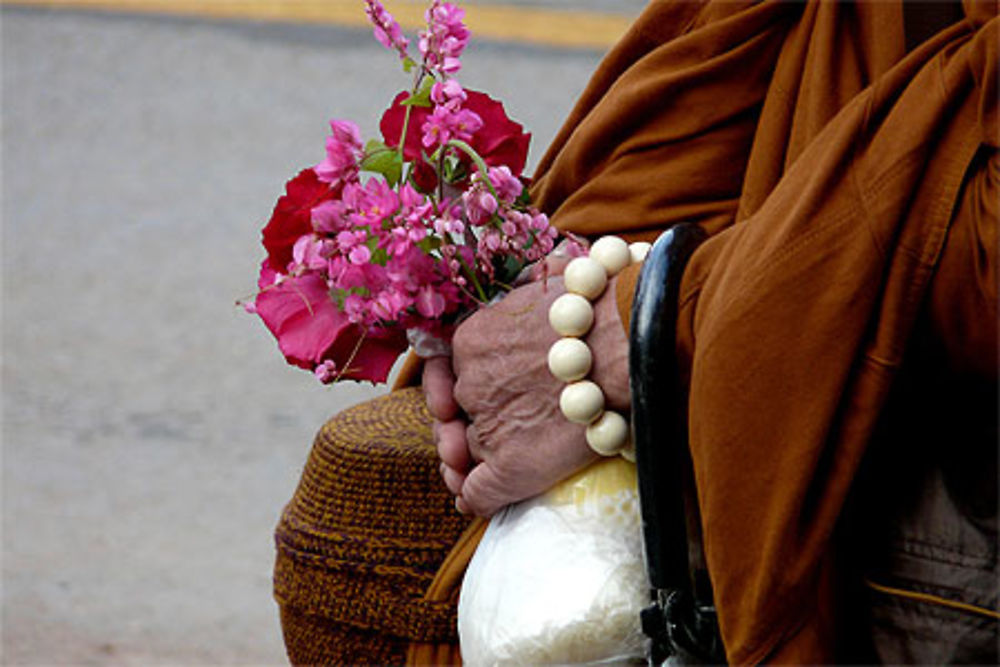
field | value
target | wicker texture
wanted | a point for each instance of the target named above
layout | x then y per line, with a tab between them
363	536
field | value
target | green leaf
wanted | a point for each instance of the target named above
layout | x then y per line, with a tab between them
339	295
381	159
429	244
408	64
421	98
509	269
454	170
375	146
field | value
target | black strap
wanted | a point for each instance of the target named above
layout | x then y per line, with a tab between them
681	621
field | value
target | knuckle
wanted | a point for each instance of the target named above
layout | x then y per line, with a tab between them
464	336
462	392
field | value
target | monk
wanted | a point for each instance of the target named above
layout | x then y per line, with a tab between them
838	329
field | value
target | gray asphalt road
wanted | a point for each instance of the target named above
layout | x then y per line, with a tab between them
151	430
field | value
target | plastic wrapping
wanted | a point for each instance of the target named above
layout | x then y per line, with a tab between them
559	578
427	345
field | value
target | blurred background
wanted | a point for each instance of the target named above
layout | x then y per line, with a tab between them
151	430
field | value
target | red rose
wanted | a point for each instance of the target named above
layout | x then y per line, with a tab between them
500	141
292	216
311	329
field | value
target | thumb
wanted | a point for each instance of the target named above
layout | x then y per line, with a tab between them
439	386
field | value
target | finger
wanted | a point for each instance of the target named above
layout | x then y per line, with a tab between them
462	506
556	264
483	493
439	384
453	479
452	447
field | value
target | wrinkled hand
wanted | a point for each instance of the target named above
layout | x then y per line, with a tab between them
499	431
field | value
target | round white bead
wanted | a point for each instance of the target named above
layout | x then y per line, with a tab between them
608	434
571	315
570	359
639	250
612	253
581	402
586	277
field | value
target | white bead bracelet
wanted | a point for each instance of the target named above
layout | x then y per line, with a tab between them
570	358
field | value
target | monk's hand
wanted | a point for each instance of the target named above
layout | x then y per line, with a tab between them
512	442
449	422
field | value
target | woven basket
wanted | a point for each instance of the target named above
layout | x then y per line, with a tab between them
364	535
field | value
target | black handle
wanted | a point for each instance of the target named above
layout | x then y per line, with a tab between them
681	621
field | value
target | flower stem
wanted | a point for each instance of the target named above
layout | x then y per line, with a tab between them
479	162
472	276
347	365
402	139
417	80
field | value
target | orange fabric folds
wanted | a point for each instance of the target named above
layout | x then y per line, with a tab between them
828	162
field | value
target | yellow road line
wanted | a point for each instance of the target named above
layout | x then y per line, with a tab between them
548	27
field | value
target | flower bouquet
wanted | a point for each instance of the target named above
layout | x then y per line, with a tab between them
405	233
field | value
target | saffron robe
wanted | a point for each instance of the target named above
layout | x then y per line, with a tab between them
847	183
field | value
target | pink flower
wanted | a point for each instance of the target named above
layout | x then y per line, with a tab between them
491	241
311	330
329	216
465	123
343	150
360	254
430	303
347	240
507	185
387	30
415	208
307	253
449	225
292	216
445	38
448	93
355	307
446	123
390	304
326	372
437	128
480	205
345	133
376	202
500	141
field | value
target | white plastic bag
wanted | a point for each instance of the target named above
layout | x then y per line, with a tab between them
559	579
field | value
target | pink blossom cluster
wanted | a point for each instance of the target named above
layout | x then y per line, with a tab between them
343	150
381	238
369	246
446	37
504	229
449	120
387	30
